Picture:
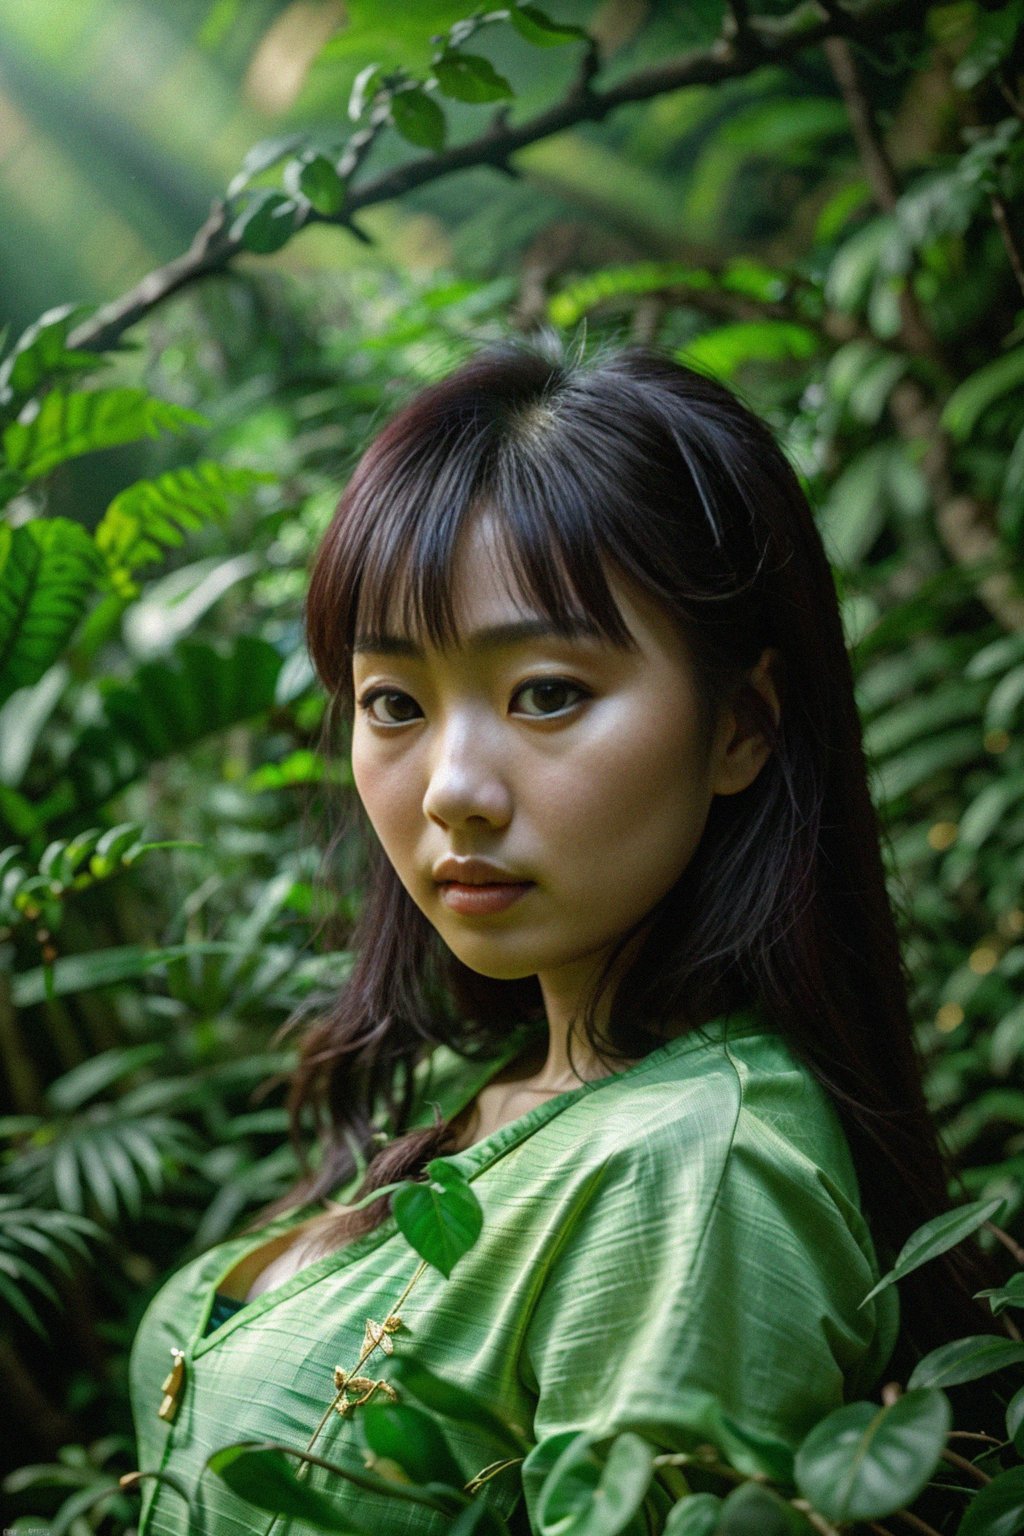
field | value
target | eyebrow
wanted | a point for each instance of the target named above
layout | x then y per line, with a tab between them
494	637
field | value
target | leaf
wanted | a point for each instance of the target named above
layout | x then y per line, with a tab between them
319	182
262	156
751	1510
363	89
588	1494
68	424
935	1237
966	1360
539	28
971	399
266	223
265	1478
1009	1295
418	118
862	1461
49	569
42	351
455	1402
724	351
1015	1420
441	1218
151	516
408	1436
695	1515
998	1509
469	77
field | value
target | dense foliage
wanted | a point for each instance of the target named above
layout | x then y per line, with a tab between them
847	252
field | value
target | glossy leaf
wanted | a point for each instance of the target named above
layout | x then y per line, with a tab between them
363	88
1015	1420
752	1510
452	1401
266	1479
266	223
966	1360
971	399
319	182
590	1494
1002	1296
998	1509
470	77
418	118
409	1437
67	425
936	1237
695	1515
864	1461
263	156
441	1218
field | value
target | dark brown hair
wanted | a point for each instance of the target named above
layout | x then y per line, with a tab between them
635	463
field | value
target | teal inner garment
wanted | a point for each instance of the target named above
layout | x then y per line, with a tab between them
223	1308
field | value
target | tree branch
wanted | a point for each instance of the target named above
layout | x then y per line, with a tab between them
764	40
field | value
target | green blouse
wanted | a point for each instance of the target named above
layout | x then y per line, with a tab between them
660	1244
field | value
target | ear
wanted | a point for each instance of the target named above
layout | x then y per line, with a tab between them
741	748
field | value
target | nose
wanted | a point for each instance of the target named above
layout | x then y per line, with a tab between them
468	779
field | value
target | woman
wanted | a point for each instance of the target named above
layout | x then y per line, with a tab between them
625	958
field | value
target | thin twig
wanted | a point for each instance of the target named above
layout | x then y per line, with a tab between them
965	1466
1007	1241
772	40
1001	215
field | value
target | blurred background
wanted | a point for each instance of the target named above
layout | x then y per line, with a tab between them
834	227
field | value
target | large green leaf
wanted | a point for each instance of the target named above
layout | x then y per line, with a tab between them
265	1478
751	1510
49	570
441	1218
724	351
470	77
455	1402
695	1515
68	424
168	706
862	1461
936	1237
966	1360
998	1509
152	515
409	1437
971	399
587	1493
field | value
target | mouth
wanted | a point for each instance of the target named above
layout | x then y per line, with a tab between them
478	898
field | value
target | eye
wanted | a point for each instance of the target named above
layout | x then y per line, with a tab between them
547	696
389	706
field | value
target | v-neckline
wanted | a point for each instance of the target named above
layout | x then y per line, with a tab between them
471	1161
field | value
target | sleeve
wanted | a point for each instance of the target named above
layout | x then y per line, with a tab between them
709	1293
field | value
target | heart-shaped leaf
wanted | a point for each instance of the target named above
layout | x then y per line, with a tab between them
320	184
862	1461
441	1218
935	1237
266	223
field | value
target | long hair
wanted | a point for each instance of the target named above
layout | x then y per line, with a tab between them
636	464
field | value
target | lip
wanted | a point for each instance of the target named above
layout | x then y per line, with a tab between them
474	872
481	900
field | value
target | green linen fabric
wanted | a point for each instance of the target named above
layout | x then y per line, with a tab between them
660	1246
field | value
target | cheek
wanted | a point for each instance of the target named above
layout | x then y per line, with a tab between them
386	787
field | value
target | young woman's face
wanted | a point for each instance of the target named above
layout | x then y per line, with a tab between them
537	795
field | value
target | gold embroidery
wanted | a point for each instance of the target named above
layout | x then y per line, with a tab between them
364	1384
172	1385
378	1334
